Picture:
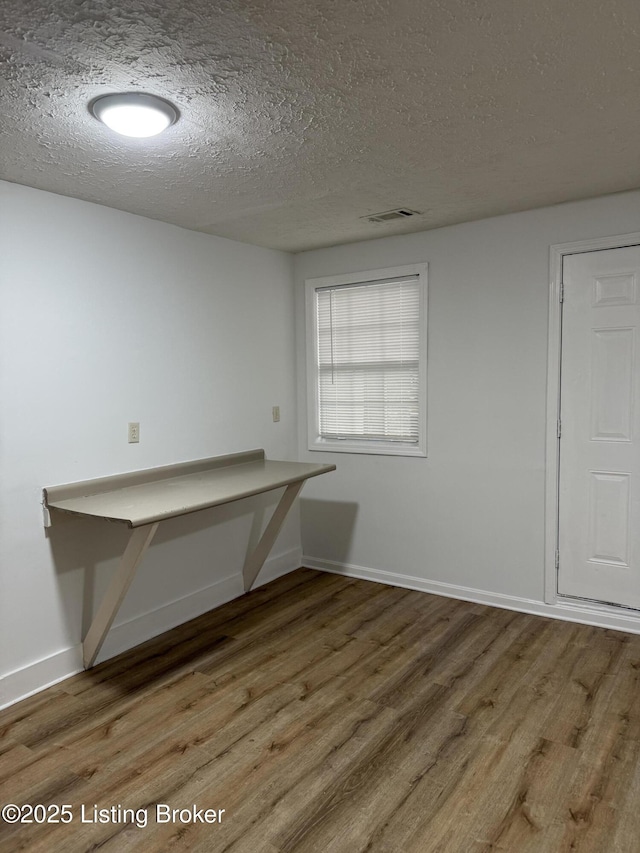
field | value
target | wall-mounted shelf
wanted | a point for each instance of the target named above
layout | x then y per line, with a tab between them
142	499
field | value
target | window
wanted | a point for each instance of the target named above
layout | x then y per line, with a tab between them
366	356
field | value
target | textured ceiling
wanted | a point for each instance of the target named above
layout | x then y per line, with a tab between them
298	117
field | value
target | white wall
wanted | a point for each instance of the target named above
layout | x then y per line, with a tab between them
107	318
469	519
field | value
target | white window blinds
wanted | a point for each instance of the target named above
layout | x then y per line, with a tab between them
368	353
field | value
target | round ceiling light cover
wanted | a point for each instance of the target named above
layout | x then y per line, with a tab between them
134	113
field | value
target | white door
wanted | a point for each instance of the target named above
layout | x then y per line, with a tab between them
599	500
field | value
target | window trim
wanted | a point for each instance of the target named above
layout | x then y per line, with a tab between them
385	448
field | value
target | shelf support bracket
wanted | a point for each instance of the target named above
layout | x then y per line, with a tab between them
255	560
139	541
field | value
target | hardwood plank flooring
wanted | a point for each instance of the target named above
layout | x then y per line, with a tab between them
330	714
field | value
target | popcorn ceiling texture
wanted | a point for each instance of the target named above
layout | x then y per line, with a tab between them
300	116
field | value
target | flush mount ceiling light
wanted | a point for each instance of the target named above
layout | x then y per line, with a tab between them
134	113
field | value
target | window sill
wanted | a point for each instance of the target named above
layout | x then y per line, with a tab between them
373	448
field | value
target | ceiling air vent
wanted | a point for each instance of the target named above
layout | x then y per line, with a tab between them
391	215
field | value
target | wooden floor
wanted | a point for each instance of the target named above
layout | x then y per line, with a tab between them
329	714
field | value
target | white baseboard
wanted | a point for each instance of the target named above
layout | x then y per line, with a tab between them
24	682
587	613
35	677
279	565
126	635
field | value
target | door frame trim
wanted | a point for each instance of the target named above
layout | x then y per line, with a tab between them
557	253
